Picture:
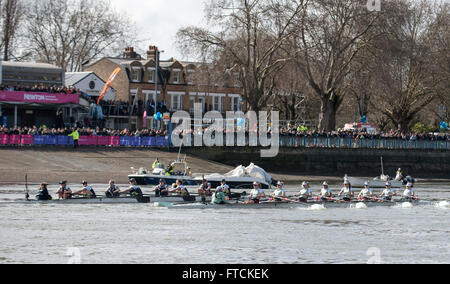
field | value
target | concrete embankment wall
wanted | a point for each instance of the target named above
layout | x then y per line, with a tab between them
335	162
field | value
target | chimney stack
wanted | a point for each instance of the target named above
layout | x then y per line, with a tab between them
129	53
151	53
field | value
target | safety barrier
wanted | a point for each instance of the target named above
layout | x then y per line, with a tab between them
110	141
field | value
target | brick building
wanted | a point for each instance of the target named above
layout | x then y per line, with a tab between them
180	84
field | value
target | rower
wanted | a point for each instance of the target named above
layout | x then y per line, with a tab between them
226	188
43	194
87	191
279	193
180	189
305	192
326	194
347	191
205	190
64	191
219	197
256	194
409	194
367	193
161	190
113	190
134	190
388	193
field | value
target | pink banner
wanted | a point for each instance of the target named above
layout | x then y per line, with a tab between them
40	98
14	139
115	141
103	140
4	139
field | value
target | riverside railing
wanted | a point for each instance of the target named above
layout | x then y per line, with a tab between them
285	141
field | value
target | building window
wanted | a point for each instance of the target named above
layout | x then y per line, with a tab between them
237	83
176	102
136	74
217	103
151	75
190	77
235	104
176	76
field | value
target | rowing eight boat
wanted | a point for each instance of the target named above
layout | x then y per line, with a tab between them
288	205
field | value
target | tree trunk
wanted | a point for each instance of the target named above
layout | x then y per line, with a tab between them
327	117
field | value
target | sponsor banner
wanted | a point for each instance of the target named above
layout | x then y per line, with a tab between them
39	98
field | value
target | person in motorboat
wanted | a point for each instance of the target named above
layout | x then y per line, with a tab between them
347	192
399	175
113	190
219	197
180	189
134	190
64	191
256	194
280	193
43	194
387	193
305	192
367	193
162	189
170	170
87	191
326	194
409	194
157	165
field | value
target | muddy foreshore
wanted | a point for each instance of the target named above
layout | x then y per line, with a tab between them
100	165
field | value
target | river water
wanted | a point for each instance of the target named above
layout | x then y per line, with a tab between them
140	233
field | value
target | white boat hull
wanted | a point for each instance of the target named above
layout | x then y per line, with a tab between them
359	183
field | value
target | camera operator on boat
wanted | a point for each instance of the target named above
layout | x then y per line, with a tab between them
64	191
43	194
347	191
134	190
170	169
87	191
113	190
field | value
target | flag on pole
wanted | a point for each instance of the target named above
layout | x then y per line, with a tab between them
108	84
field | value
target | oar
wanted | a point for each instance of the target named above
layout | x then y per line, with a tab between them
27	195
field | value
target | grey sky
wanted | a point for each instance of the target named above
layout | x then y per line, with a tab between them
159	20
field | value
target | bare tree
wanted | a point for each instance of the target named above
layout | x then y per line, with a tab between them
407	77
12	12
331	34
248	35
68	33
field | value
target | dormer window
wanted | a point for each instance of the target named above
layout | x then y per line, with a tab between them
176	76
136	74
151	74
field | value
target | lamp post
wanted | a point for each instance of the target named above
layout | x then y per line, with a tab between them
155	97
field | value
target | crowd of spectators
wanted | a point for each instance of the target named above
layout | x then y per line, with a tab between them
357	135
84	131
41	88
